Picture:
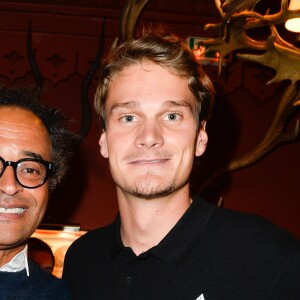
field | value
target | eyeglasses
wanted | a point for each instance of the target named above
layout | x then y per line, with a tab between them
29	172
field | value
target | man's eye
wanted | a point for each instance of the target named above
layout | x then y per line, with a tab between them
172	117
128	119
31	171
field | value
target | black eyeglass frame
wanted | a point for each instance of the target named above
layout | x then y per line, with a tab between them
50	169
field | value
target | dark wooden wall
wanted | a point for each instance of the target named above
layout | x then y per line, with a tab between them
66	37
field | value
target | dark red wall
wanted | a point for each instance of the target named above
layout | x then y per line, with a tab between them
66	37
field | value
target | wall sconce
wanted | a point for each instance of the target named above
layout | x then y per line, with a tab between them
294	23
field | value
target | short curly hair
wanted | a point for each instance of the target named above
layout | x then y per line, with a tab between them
63	141
164	49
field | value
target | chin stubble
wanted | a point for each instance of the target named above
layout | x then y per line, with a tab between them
148	193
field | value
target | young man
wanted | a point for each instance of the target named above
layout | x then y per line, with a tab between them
35	148
154	99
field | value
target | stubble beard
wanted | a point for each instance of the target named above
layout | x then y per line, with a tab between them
147	191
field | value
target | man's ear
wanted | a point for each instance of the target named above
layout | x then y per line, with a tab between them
103	144
202	140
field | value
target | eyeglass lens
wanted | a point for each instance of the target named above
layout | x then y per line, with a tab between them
29	173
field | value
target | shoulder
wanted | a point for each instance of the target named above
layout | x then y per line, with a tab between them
247	222
93	241
47	285
262	247
245	237
97	237
252	232
87	254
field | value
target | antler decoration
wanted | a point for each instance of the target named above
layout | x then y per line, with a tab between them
32	62
230	8
85	104
278	54
276	135
130	16
279	51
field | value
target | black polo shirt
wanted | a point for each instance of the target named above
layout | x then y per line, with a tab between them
211	253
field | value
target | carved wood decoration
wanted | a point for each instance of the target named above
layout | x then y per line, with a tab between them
237	17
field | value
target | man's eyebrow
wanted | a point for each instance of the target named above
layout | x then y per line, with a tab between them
126	105
135	104
178	103
32	154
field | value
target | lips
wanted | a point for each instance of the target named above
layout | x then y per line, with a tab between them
148	161
146	158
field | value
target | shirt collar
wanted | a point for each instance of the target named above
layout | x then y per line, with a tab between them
182	237
18	263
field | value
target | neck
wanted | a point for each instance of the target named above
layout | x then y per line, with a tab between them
6	255
144	223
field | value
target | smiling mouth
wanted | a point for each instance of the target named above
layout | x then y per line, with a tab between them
17	210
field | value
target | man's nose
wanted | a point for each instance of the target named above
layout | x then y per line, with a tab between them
149	135
8	182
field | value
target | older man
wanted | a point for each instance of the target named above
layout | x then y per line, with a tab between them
35	148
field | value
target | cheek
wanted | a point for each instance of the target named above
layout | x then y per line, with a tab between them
112	142
118	144
183	141
41	196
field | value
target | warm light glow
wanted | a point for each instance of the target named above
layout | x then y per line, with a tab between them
293	24
59	242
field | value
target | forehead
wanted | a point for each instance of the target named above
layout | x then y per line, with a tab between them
148	81
23	131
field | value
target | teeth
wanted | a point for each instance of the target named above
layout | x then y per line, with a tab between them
11	210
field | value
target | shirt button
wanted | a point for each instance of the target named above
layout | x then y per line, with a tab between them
128	280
